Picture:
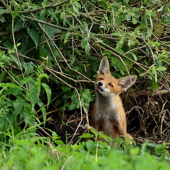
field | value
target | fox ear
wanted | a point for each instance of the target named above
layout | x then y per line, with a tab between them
104	66
126	82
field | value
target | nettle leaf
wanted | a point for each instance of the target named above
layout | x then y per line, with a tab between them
18	106
73	105
4	123
48	92
28	68
26	80
34	35
51	30
18	25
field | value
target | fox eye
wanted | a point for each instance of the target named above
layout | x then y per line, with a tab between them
111	85
101	78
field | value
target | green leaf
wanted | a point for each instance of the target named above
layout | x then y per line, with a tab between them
87	48
84	42
154	85
134	21
2	11
75	10
34	95
11	85
26	80
66	38
161	68
87	135
18	25
2	76
134	56
90	145
144	21
34	35
62	15
48	92
51	30
128	17
73	105
2	19
149	31
15	12
43	110
28	68
4	123
120	44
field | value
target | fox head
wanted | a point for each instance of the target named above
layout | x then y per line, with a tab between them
107	85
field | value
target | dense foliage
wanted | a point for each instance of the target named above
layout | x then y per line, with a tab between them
49	54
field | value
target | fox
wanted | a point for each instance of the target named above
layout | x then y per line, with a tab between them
108	114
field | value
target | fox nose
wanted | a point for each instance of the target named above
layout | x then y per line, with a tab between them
100	83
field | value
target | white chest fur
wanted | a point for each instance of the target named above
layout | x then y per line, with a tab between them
106	110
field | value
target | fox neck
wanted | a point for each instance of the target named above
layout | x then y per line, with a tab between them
106	102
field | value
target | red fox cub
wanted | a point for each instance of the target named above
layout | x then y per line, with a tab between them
108	114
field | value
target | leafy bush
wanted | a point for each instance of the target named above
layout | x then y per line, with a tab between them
49	54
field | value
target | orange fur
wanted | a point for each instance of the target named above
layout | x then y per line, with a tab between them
108	114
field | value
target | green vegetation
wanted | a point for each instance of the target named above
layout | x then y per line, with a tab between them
49	54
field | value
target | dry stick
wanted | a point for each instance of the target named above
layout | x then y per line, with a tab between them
65	163
134	49
72	38
13	78
49	44
44	130
78	99
162	118
40	8
5	5
87	12
48	68
15	46
54	151
46	23
162	123
65	59
52	53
